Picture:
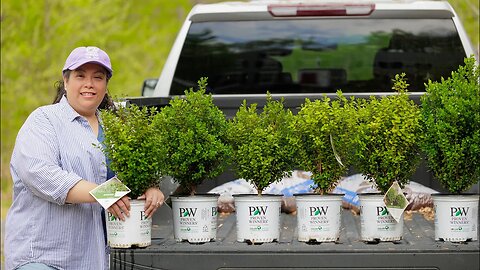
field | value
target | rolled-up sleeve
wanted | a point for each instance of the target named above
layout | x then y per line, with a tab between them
36	160
55	148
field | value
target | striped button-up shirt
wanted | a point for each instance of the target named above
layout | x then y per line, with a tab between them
55	148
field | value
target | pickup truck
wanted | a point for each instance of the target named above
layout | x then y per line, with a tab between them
297	50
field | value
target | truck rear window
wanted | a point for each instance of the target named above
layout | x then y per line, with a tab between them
317	56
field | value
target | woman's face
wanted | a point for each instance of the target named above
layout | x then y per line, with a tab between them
86	87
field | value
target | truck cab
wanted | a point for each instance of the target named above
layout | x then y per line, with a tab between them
307	49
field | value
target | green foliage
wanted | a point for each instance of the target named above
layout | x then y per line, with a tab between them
132	148
468	12
324	128
193	131
386	141
264	148
451	118
37	37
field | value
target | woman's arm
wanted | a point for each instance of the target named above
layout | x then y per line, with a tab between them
80	192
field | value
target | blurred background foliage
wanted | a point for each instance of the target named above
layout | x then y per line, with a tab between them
38	35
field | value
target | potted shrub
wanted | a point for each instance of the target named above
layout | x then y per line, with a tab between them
263	153
386	152
134	154
451	119
324	129
193	133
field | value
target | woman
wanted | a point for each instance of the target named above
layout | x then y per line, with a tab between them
54	222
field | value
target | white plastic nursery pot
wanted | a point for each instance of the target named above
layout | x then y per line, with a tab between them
135	231
456	217
258	217
376	222
195	218
318	217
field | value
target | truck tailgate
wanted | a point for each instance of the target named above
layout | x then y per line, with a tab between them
418	249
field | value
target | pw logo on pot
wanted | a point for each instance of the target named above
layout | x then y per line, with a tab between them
315	211
188	212
382	211
460	211
257	210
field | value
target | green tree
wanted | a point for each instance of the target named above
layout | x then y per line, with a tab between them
325	130
264	148
389	130
132	147
193	132
451	119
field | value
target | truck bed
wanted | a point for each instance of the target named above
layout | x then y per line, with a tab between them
418	249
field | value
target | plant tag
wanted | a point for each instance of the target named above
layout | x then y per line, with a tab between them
109	192
337	157
395	201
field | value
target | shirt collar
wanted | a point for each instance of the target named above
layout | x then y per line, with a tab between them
69	111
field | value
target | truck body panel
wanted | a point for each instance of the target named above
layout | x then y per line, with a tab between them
242	66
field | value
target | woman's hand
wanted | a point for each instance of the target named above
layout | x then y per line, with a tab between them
121	208
154	198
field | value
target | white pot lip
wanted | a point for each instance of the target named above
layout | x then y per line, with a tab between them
317	195
196	195
257	196
137	201
454	194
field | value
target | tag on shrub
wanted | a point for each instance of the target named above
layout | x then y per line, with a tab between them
395	201
109	192
337	157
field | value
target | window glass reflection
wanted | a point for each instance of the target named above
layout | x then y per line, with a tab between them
317	56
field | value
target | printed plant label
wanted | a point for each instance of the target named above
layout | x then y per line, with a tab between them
109	192
395	201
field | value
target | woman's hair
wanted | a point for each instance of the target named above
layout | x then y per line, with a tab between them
107	102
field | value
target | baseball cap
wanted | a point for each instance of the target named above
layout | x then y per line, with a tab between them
90	54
